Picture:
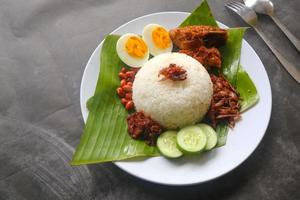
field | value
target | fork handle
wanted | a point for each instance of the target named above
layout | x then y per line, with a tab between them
293	71
289	35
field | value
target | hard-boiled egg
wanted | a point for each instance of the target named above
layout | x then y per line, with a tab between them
132	50
157	38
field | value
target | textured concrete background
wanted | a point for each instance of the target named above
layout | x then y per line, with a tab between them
44	46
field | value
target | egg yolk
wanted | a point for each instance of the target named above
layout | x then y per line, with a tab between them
136	47
161	38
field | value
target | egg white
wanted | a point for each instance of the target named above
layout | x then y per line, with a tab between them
125	57
147	36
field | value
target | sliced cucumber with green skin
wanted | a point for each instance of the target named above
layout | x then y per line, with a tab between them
166	144
191	139
211	136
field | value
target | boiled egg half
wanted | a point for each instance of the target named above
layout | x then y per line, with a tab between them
157	38
132	50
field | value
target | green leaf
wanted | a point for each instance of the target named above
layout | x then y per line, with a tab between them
105	137
202	15
231	53
247	90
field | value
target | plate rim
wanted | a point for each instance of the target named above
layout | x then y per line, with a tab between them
118	163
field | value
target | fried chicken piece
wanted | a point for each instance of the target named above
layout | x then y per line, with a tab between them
208	57
191	37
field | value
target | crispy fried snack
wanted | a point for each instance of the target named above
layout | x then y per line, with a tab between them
173	72
191	37
208	57
225	102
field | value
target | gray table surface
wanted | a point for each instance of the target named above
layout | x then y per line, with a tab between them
44	46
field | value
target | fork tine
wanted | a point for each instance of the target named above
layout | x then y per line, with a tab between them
232	7
247	14
235	6
238	4
229	5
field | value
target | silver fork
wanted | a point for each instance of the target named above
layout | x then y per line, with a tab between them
250	17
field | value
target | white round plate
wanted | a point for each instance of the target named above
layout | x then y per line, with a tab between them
241	142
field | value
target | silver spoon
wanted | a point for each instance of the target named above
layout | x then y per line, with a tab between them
266	7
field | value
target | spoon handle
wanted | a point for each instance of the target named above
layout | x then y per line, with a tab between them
292	70
291	37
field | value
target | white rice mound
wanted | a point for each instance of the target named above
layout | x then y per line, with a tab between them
173	104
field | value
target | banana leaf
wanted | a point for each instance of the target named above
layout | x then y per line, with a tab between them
246	89
231	53
105	136
202	15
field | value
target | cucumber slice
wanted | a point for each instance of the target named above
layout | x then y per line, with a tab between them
166	144
211	136
191	139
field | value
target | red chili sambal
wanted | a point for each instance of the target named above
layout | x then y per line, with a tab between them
143	127
173	72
